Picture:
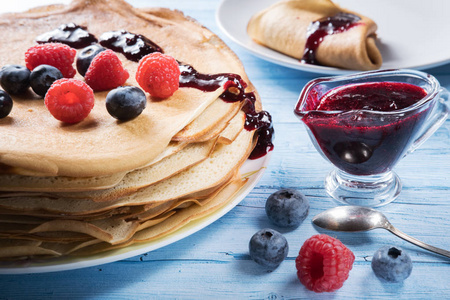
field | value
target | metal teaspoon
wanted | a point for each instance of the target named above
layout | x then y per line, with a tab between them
358	218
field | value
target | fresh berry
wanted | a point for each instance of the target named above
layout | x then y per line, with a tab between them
268	248
57	55
15	79
6	104
69	100
158	74
106	72
323	263
392	264
287	208
126	102
42	77
85	57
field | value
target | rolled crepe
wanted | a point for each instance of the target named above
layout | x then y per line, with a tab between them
283	27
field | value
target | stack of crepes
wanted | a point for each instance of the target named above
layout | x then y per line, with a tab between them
103	184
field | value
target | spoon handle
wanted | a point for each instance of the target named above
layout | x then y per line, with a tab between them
417	242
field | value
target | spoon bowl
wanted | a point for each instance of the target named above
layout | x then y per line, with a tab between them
359	218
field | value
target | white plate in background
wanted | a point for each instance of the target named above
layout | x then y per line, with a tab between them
413	34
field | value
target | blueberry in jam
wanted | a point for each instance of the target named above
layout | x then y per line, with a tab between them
126	102
6	104
85	57
71	34
15	79
42	77
133	46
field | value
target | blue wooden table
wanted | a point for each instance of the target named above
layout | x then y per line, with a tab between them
214	262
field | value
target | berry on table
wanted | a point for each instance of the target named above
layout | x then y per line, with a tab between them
126	102
158	74
57	55
42	77
268	248
323	263
392	264
287	208
85	57
106	72
69	100
15	79
6	104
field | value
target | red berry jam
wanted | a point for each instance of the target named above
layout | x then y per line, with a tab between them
319	29
73	35
234	91
354	136
133	46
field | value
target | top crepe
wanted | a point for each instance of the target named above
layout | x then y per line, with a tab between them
283	27
34	141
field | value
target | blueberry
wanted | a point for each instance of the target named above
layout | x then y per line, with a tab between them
287	208
392	264
85	57
6	104
15	79
126	102
268	248
42	77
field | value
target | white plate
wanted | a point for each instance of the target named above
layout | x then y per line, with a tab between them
253	169
413	34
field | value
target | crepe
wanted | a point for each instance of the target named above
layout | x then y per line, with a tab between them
103	184
91	146
284	26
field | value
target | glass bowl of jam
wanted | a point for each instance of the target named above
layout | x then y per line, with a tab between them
365	123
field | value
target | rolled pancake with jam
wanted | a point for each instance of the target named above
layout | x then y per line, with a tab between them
284	28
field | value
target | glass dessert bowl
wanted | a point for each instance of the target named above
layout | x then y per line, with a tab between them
365	123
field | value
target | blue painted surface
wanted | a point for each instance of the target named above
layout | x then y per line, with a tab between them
214	263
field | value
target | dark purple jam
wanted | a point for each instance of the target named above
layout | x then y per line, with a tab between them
363	142
73	35
234	91
319	29
133	46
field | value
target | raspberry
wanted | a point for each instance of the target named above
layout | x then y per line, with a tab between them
323	263
106	72
69	100
158	74
57	55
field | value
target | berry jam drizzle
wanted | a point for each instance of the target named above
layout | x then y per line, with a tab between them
73	35
319	29
234	91
133	46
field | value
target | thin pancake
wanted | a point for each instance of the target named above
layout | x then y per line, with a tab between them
91	146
